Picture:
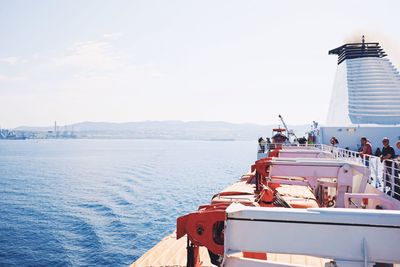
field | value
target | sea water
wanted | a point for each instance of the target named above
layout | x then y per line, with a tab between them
104	202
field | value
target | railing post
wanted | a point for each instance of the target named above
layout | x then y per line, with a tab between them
378	182
396	167
385	178
392	176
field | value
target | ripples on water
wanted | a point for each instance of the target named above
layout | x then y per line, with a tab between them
104	202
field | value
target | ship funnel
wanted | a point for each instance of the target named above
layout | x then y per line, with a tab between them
366	88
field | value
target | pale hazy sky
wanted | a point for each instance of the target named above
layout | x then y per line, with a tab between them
236	61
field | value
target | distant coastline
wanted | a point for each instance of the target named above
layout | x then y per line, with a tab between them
164	130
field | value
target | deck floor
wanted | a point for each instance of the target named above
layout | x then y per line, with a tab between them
170	252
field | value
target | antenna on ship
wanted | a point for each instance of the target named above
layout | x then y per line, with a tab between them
287	129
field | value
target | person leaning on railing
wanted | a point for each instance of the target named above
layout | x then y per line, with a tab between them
388	155
398	147
365	150
261	143
397	164
334	141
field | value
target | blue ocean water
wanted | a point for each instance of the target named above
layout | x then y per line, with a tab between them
104	202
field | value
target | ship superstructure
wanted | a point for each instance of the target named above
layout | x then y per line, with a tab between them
365	99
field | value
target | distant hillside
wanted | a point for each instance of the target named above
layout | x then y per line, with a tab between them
194	130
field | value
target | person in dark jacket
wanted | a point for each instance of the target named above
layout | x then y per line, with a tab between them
261	143
334	141
387	150
391	173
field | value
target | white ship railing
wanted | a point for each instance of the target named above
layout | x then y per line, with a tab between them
385	175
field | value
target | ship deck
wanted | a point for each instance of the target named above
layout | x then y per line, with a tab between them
170	252
295	190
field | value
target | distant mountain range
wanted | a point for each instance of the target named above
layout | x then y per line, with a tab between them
193	130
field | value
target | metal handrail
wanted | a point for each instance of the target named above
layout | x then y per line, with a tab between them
385	175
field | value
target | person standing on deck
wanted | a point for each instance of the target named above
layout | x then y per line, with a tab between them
261	143
334	141
397	162
366	150
388	155
398	147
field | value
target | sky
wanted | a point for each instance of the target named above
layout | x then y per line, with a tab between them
236	61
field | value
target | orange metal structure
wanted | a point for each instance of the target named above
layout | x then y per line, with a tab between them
204	227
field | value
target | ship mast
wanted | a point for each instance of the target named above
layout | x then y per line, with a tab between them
286	128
